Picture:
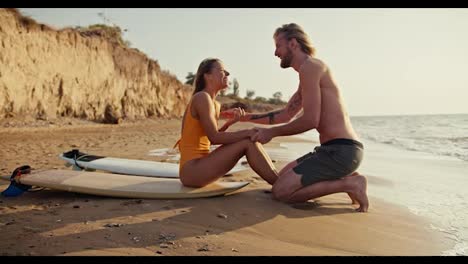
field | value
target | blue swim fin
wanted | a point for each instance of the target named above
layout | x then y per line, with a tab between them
16	188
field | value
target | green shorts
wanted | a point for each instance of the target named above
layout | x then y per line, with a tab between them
330	161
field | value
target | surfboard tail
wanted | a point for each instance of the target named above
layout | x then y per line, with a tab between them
16	188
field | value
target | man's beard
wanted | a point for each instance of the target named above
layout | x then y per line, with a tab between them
286	60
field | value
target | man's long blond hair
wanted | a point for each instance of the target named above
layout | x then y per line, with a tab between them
293	30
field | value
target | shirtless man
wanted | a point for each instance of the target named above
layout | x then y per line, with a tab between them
331	167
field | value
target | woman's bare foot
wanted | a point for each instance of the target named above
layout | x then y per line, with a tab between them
359	192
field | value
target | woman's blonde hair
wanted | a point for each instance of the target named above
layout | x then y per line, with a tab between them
205	67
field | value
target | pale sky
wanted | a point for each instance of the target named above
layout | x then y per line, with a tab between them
385	61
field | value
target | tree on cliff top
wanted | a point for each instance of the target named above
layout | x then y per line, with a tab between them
112	33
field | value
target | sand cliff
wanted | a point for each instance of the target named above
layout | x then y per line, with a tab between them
48	73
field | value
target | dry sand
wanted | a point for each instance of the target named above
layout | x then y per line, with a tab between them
247	222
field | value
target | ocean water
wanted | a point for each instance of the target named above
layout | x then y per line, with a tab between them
442	135
424	160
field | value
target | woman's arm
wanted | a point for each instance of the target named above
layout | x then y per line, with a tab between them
204	107
235	114
280	116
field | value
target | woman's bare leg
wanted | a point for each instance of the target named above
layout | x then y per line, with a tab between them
261	163
202	171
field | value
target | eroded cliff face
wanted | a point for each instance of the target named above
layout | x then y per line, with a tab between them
48	73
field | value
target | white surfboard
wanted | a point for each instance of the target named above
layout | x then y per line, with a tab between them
83	161
116	185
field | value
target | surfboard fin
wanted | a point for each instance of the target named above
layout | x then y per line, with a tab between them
16	188
76	168
79	168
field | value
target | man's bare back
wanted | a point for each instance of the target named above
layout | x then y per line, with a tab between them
334	119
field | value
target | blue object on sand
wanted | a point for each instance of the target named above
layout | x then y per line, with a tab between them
16	188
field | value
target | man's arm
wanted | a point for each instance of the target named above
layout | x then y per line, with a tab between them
279	116
309	77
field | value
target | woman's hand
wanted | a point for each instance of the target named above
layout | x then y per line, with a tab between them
234	114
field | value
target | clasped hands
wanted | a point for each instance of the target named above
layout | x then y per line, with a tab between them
256	134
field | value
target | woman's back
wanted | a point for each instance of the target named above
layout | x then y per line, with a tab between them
194	142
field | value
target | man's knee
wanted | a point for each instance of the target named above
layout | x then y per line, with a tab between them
281	192
288	167
287	183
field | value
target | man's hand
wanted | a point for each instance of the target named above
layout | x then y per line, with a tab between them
263	135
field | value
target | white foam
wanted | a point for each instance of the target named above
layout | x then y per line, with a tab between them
430	186
460	249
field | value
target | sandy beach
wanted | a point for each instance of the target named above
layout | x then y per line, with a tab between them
248	222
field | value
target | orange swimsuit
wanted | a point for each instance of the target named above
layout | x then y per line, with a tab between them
194	142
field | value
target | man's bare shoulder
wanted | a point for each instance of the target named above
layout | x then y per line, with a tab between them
313	65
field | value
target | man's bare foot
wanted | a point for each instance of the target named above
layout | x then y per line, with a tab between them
359	192
353	199
351	196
